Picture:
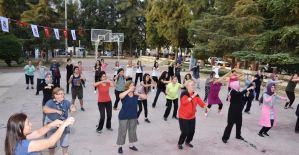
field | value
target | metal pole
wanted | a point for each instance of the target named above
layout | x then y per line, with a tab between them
118	48
65	24
96	50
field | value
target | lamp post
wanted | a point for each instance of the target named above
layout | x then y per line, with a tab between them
65	25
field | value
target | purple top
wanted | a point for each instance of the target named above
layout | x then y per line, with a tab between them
213	97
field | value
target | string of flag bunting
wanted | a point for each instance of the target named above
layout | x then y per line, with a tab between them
35	31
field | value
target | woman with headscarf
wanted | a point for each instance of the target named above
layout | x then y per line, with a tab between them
213	97
236	98
47	88
268	114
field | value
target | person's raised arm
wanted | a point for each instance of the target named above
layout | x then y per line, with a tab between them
124	94
43	130
49	110
38	145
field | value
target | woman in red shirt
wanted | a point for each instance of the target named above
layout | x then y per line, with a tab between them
187	110
104	101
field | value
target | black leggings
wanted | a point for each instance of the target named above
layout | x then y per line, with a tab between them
38	83
140	103
207	90
248	102
105	106
156	97
136	78
187	130
291	96
266	129
29	78
116	98
219	106
169	105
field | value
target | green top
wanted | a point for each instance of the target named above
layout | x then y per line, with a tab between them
29	70
173	90
291	86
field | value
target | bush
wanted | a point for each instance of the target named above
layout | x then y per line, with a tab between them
10	48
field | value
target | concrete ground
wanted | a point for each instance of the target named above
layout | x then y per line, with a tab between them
157	137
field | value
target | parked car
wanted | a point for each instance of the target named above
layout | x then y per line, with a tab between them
60	51
219	61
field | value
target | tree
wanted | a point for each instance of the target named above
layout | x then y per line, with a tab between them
171	19
10	49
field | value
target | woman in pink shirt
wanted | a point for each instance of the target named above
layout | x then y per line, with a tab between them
104	101
104	65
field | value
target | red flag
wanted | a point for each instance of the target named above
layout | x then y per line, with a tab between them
47	32
65	34
22	24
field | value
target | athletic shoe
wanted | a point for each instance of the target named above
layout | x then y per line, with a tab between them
175	118
36	93
265	133
206	114
247	112
180	147
224	140
99	131
110	129
165	119
27	87
240	138
133	148
189	145
260	134
120	150
291	107
82	109
147	120
95	91
32	87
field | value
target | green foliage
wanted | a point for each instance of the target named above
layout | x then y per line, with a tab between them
10	48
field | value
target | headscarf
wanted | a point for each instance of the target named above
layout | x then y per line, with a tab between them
48	81
269	92
235	85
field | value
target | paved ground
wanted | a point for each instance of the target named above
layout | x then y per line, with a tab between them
158	137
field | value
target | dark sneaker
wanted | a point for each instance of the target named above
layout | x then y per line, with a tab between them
247	112
175	118
32	87
189	145
133	148
120	150
114	108
260	134
82	109
36	93
27	87
224	140
99	131
153	106
180	147
240	138
147	120
291	107
165	119
286	107
110	129
266	134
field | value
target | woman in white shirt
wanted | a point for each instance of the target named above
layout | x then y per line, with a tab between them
129	71
139	72
155	73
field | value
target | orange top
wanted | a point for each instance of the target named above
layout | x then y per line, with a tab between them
187	109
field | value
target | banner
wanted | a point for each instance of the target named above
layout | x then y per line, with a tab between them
47	32
35	30
4	24
65	34
73	32
56	31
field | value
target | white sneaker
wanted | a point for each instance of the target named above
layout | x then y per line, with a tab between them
206	114
95	91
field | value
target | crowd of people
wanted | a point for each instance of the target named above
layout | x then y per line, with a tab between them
132	91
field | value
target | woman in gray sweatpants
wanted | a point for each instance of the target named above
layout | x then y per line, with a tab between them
128	116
